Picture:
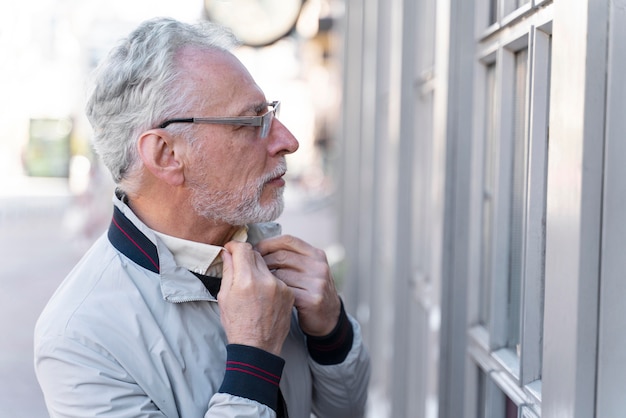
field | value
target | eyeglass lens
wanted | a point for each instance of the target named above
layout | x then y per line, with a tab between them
266	121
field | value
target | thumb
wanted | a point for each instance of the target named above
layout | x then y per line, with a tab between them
227	269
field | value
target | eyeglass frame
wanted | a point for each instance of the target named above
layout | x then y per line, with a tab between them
264	120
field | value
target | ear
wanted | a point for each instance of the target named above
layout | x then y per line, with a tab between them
160	156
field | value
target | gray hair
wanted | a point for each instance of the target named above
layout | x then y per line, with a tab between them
135	87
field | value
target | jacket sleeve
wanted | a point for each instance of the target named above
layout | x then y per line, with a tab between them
340	372
250	386
82	381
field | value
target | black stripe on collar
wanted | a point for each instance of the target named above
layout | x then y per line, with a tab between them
131	242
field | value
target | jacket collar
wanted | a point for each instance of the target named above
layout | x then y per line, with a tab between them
135	240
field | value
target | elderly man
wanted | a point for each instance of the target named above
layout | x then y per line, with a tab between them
193	304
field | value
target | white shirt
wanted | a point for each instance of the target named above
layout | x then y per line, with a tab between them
199	257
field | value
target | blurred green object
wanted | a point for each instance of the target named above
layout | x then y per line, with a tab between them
48	151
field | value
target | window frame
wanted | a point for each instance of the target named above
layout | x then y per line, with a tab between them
519	378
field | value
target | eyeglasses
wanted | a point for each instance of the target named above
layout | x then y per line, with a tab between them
264	120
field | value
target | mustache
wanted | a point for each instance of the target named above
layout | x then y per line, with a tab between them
279	171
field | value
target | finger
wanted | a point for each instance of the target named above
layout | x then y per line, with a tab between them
284	242
291	279
243	259
300	297
287	260
260	263
227	260
237	247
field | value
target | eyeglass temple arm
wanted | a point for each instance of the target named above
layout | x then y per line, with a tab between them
243	121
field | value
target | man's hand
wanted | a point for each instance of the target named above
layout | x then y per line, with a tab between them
255	307
306	271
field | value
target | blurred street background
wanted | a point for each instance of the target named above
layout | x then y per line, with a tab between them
55	198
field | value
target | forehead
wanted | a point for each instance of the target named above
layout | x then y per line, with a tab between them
218	77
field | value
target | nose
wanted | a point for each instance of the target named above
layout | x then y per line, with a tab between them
281	140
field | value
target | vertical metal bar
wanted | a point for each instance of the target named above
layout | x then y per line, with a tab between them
532	309
611	355
348	166
574	216
501	225
402	267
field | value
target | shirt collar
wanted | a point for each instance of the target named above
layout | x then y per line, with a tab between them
141	244
196	256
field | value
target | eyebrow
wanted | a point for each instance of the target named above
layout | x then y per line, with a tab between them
253	108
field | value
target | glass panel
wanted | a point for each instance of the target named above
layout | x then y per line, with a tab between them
482	394
511	410
512	5
493	11
518	199
492	401
488	195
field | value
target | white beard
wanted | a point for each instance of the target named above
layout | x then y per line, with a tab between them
241	206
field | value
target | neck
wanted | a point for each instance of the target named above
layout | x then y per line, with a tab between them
176	217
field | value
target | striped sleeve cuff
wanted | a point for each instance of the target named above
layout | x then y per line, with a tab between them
252	373
334	347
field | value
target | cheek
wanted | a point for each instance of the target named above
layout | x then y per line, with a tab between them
247	163
204	170
230	161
